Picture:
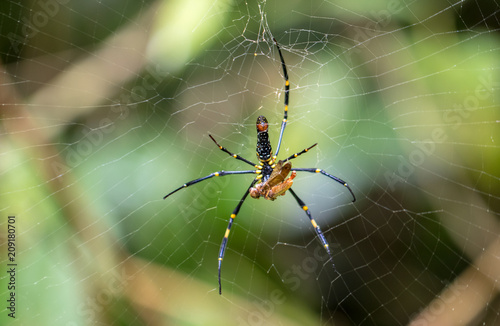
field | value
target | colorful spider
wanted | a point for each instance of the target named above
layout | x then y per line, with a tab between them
271	181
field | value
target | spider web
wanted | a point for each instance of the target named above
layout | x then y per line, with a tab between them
106	106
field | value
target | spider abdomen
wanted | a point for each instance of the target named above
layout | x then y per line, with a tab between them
264	149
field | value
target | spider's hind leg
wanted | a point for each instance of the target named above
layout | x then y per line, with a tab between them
236	156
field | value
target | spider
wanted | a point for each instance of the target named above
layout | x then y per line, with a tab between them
271	180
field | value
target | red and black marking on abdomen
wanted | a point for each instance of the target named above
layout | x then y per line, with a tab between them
264	149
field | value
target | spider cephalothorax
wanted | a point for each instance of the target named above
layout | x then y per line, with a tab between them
272	178
275	184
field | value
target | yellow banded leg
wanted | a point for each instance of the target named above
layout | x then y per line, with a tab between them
236	156
299	153
314	224
337	179
211	175
287	98
223	245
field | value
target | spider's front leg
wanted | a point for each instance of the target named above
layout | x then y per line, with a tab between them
315	226
223	245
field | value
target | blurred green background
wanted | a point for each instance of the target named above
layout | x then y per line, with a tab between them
106	106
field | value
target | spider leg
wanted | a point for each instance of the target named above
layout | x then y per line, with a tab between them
300	153
342	182
236	156
222	249
314	224
287	97
211	175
